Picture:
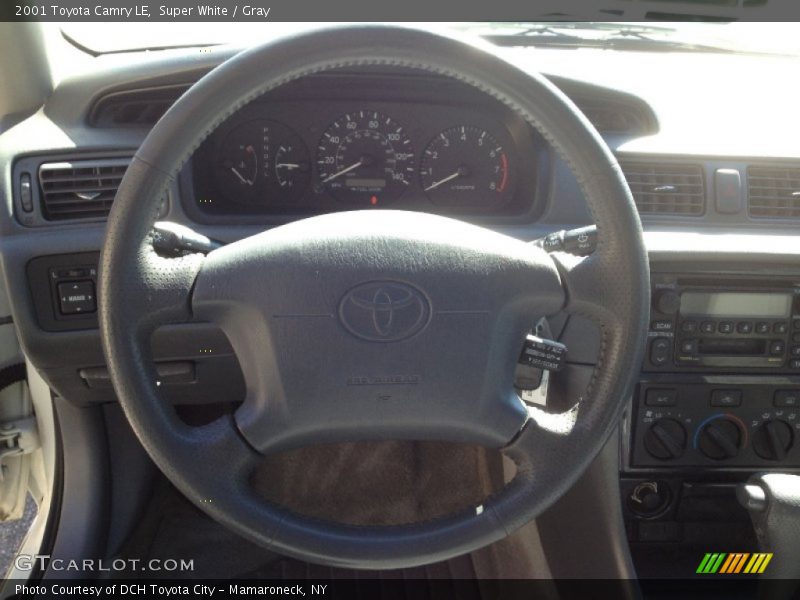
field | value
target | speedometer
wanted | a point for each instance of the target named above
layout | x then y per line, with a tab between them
365	158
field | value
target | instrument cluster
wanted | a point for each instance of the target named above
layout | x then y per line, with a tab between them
300	156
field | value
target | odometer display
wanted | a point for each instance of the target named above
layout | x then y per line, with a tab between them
365	158
465	166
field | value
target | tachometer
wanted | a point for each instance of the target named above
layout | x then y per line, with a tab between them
465	166
365	158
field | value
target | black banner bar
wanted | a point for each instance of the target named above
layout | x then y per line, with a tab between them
708	586
145	11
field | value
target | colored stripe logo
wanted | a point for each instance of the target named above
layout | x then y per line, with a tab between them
734	563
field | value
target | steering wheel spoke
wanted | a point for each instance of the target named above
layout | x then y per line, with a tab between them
588	292
167	287
224	454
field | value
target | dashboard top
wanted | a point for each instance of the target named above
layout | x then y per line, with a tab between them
683	111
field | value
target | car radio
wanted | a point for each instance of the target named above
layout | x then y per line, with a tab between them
728	326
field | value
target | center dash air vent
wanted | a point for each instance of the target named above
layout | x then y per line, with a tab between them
666	189
81	189
773	192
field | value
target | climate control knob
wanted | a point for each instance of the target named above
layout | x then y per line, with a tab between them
665	439
772	439
720	439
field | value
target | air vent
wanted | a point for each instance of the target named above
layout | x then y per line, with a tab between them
666	189
135	108
773	192
81	189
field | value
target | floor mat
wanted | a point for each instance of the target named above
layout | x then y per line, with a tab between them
376	483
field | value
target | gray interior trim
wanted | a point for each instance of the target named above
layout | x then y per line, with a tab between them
83	512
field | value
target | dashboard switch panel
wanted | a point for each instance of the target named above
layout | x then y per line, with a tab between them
63	288
716	422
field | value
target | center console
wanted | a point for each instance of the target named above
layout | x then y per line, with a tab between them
718	399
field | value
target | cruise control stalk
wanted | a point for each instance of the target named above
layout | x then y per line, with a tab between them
580	242
172	239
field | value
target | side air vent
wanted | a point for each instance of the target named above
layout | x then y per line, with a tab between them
135	108
773	192
666	189
81	189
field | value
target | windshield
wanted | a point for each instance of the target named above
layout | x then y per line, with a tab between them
757	38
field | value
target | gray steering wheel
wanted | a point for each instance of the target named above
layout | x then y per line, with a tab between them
298	304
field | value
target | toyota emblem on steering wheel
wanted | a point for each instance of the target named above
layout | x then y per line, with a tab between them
384	311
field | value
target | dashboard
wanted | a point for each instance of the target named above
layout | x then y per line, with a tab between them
348	142
716	182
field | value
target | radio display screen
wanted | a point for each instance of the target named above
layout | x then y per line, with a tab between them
736	304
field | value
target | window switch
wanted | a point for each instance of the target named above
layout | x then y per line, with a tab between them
76	297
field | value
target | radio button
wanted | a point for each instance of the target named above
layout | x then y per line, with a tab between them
708	327
780	327
744	327
725	327
777	348
795	350
762	327
661	325
796	336
725	398
689	347
660	351
661	397
667	302
689	326
786	398
794	364
796	323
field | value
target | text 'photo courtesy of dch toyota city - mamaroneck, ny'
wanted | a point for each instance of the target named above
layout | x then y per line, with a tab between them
357	300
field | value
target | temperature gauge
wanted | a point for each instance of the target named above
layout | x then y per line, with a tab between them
263	162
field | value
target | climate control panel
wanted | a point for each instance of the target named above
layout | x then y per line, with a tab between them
708	421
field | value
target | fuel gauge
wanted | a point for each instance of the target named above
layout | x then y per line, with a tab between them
239	165
263	162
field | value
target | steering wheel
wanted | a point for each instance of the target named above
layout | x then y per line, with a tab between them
373	325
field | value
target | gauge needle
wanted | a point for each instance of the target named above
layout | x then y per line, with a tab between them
433	186
289	166
343	171
239	175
